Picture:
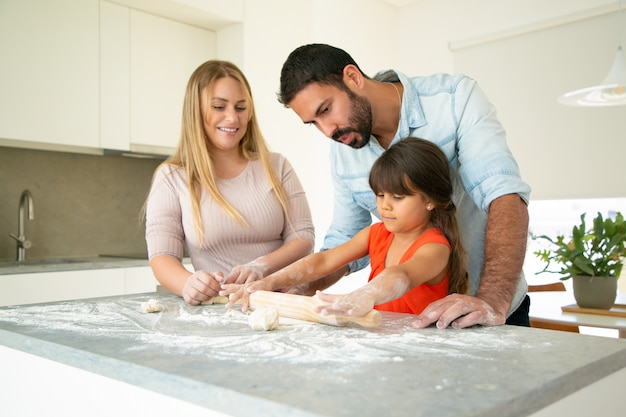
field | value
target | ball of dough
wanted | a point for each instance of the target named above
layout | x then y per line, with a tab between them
218	299
151	306
263	319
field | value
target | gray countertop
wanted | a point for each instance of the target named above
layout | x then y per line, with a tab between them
33	266
209	356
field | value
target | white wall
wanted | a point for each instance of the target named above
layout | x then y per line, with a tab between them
550	47
426	27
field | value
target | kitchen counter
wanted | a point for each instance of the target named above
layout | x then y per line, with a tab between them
209	357
32	266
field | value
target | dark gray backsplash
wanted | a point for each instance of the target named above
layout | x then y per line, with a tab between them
84	204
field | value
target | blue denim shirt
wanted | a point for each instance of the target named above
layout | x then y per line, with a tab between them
453	112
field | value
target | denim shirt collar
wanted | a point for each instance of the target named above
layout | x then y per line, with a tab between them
411	113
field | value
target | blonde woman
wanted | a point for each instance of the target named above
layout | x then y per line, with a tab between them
238	208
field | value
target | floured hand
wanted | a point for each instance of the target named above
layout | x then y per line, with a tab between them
201	286
250	272
241	293
458	311
354	304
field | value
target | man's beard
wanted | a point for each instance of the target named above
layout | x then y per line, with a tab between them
360	118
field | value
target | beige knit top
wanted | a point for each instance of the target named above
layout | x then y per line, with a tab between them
169	219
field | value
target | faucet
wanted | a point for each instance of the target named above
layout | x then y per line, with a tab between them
26	204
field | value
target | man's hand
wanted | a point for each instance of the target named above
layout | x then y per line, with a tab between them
459	311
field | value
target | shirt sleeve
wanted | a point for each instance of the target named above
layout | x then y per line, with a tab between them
299	224
487	167
164	230
349	218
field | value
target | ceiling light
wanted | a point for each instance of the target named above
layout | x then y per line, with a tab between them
610	92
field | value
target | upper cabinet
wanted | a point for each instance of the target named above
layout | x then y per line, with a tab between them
49	70
163	54
146	62
95	75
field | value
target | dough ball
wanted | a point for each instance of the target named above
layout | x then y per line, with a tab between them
151	306
263	319
218	299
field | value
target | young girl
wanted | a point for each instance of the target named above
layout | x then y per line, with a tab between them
416	253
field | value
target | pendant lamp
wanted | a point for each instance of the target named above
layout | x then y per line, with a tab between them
610	92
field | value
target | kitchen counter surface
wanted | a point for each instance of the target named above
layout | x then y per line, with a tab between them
210	357
32	266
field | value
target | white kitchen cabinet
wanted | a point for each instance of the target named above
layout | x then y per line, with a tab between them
87	75
146	63
49	71
62	285
139	280
42	287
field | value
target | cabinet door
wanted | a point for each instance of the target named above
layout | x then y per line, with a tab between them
57	286
163	54
114	76
140	280
49	71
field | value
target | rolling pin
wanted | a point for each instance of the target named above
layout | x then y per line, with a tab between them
303	308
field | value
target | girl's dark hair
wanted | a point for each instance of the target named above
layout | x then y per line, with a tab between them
414	166
313	63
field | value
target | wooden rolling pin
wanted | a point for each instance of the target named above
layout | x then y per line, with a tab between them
303	308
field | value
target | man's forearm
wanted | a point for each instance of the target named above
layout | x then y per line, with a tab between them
505	249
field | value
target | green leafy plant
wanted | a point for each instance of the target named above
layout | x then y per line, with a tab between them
598	251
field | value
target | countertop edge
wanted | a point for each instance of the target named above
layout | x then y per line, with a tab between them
210	396
565	385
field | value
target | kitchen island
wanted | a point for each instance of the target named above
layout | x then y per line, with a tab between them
207	360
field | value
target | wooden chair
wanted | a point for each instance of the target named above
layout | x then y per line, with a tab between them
541	324
554	286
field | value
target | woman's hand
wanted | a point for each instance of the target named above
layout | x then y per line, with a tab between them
357	303
201	286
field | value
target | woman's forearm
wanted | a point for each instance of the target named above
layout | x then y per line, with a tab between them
170	273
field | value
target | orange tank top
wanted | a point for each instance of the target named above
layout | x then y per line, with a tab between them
416	300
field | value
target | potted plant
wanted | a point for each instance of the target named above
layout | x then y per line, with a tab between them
592	257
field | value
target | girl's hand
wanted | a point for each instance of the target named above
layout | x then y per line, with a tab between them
243	274
240	293
357	303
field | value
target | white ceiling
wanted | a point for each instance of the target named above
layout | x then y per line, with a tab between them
399	3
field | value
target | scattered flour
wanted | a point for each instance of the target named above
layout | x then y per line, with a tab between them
218	333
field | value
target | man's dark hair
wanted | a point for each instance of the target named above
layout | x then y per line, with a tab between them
311	63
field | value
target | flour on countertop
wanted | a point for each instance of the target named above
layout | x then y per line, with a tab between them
218	333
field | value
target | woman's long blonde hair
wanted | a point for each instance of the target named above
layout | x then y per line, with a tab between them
193	155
